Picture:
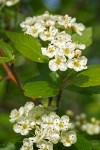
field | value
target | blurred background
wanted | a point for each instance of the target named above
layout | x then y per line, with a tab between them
86	12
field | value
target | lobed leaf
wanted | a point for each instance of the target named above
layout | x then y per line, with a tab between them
7	49
40	89
89	77
96	144
85	90
82	143
86	37
27	46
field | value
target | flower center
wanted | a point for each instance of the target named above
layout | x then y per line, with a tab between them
61	125
51	50
67	51
24	126
47	34
34	31
38	117
76	63
68	140
58	61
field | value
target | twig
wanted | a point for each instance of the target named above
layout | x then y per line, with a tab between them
9	73
50	101
58	99
8	67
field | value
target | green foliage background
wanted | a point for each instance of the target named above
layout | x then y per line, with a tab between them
77	99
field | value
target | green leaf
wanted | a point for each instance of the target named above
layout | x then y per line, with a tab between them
89	77
85	90
2	85
45	84
86	38
96	145
27	46
82	143
9	146
44	71
40	89
47	74
7	49
4	59
7	52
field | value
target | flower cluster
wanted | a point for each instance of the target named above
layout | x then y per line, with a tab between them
46	127
92	127
9	2
81	122
61	50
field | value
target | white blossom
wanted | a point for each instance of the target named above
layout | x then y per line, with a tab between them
80	46
28	141
61	50
77	53
66	21
59	63
61	38
26	147
68	50
49	34
22	127
49	23
27	144
27	107
78	27
48	120
52	134
29	22
50	51
62	123
44	17
39	135
47	127
77	64
16	114
44	145
11	2
68	138
36	113
91	128
35	30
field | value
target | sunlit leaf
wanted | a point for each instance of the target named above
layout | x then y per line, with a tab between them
89	77
86	37
27	46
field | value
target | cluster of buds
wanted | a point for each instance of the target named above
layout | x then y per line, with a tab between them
9	2
46	127
63	53
81	122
